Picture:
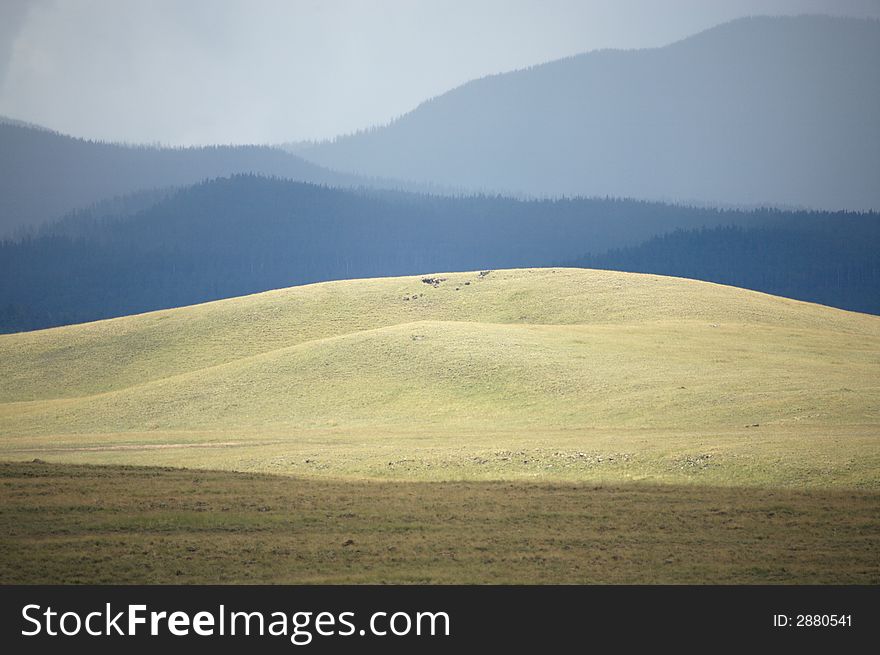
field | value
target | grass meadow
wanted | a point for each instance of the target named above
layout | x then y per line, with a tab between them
531	425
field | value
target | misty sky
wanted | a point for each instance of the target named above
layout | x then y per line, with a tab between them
267	71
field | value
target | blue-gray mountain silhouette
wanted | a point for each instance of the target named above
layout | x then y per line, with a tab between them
783	111
244	234
44	174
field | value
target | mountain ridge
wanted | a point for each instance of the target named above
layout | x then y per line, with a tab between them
45	175
245	234
794	96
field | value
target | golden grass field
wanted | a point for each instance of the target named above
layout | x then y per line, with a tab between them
686	395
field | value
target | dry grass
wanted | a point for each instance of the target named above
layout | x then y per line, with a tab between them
73	524
340	379
522	426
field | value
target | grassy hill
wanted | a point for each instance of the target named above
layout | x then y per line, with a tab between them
544	374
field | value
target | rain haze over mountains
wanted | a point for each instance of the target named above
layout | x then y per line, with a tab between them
206	72
137	139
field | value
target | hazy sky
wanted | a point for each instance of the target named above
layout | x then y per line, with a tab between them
257	71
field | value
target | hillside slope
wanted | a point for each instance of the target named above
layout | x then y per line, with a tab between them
44	174
461	377
246	234
759	110
836	264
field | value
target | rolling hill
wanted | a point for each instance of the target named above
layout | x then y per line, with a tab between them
759	110
553	374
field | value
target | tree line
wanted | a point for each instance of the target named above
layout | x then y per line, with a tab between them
245	234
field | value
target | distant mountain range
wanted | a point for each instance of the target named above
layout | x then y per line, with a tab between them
44	174
780	111
240	235
783	111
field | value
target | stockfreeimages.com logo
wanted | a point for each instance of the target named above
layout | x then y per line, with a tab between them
300	627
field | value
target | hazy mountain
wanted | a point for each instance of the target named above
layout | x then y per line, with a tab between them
101	212
44	174
7	120
760	110
244	234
